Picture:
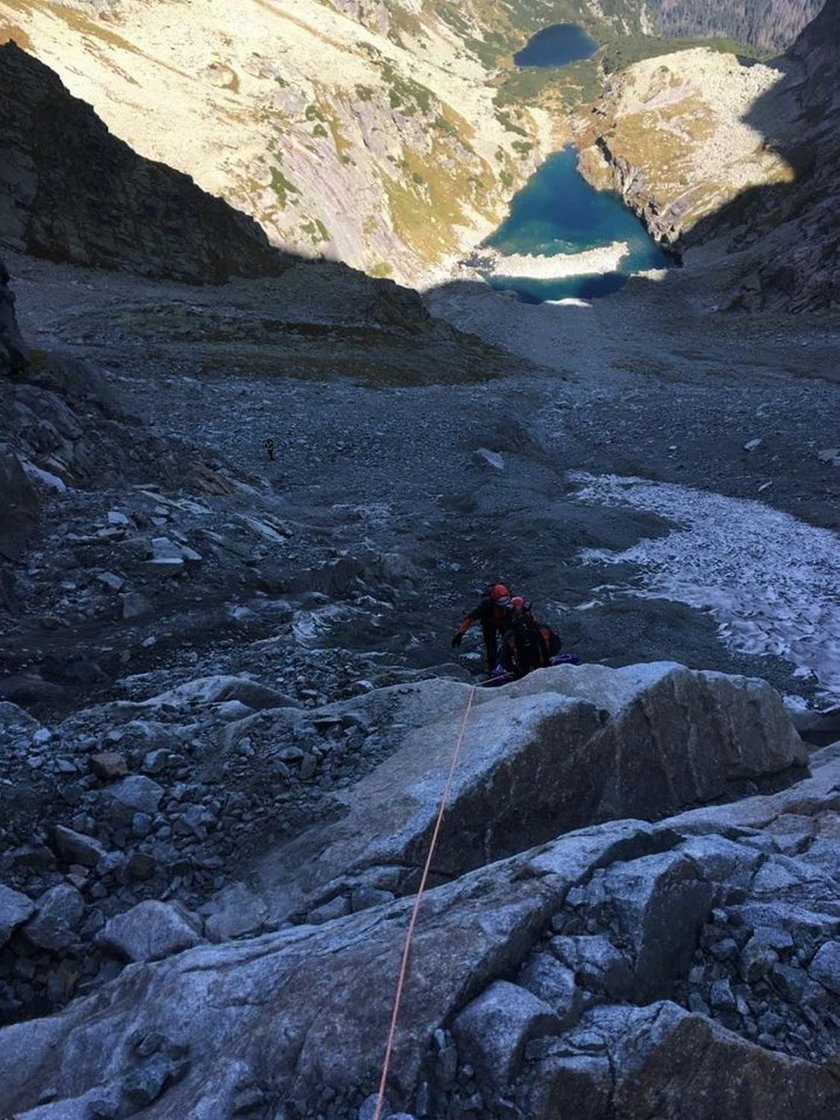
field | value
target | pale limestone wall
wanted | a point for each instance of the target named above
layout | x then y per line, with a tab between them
340	142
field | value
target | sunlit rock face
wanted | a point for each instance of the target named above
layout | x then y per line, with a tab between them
709	150
673	136
370	137
369	131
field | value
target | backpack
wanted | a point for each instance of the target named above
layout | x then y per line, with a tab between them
527	645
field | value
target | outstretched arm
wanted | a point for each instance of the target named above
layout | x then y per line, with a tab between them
461	629
466	622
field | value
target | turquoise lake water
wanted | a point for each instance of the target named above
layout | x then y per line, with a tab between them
558	212
556	46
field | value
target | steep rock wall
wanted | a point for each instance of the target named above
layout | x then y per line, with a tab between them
12	348
707	149
377	145
71	191
767	24
792	237
672	136
19	503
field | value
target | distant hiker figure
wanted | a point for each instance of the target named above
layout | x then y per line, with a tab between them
494	614
526	645
269	449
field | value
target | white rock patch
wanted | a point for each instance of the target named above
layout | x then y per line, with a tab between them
772	582
589	262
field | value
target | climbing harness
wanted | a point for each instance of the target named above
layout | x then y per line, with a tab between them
380	1096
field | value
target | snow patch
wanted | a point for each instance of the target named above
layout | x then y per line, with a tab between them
771	582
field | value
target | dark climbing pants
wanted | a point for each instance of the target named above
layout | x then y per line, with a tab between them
490	634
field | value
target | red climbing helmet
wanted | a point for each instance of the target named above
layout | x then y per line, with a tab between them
500	594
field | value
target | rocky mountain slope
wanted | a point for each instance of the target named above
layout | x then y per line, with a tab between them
60	425
574	974
302	105
788	240
71	191
296	108
213	667
703	147
490	26
220	740
673	136
237	523
766	24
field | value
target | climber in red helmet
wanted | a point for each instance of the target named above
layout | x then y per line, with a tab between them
494	613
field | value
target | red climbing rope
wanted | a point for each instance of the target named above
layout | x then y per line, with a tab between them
380	1097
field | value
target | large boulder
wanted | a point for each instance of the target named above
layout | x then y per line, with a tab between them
306	1010
233	912
74	847
677	736
322	995
509	791
659	905
60	910
493	1030
662	1061
148	931
15	908
563	748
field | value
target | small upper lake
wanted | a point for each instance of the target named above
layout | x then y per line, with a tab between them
556	46
558	215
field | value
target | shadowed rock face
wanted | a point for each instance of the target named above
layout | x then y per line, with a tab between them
71	191
60	425
790	235
19	509
767	24
797	232
12	347
19	503
819	46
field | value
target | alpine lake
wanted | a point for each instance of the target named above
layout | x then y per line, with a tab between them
557	213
